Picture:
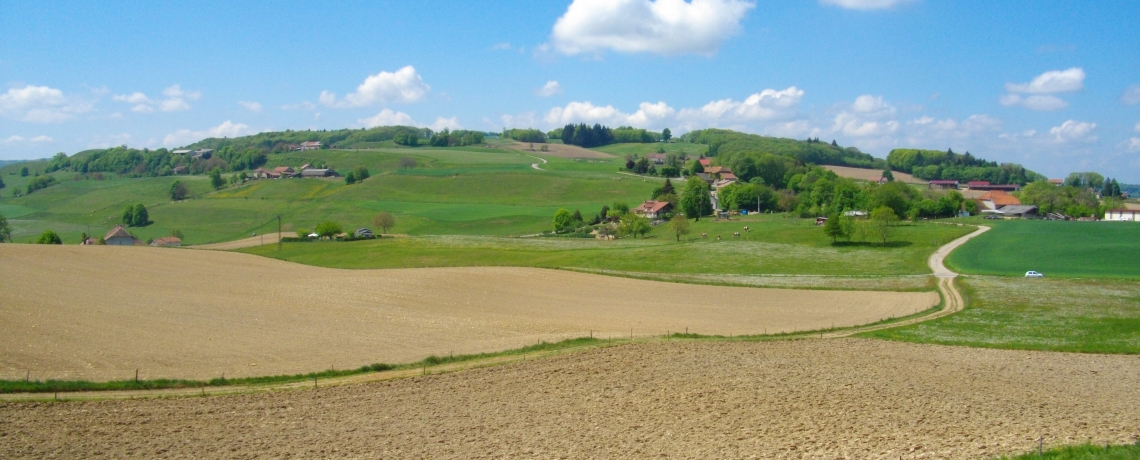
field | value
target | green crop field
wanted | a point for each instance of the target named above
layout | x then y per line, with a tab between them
621	150
1055	248
464	190
774	245
1095	316
1084	452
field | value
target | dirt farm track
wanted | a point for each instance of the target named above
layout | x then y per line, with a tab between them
831	399
100	313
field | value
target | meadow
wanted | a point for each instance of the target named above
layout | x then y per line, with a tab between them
466	190
775	245
1077	315
1055	248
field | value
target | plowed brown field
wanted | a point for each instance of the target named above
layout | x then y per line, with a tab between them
844	398
99	313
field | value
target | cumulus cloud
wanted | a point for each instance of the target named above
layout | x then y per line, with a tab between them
551	88
648	114
251	106
40	104
1039	102
868	116
1134	144
1137	128
1073	130
445	123
175	100
765	105
1053	81
668	27
387	117
404	85
1131	95
864	4
226	129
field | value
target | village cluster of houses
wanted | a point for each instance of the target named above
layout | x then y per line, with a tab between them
285	172
997	201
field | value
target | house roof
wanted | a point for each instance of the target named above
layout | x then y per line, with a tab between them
704	161
117	232
181	152
943	182
705	177
974	183
727	176
1000	198
1056	181
653	206
311	143
282	169
1018	209
717	170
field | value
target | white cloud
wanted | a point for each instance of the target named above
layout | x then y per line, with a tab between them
175	101
41	138
765	105
872	104
446	123
1040	102
226	129
522	120
1054	81
864	4
387	117
667	27
1131	95
40	104
1073	130
647	115
551	88
867	116
1137	128
404	85
1134	144
251	106
14	139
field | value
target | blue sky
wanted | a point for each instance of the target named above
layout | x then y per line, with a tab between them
1049	84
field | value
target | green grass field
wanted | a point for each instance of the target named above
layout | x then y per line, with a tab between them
1091	316
1055	248
464	190
774	245
621	150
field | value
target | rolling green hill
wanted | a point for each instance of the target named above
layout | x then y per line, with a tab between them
1055	248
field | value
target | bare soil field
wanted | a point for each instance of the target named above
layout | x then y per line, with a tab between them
872	174
268	238
100	313
559	150
845	398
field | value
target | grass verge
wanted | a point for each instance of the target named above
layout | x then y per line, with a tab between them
52	386
1084	452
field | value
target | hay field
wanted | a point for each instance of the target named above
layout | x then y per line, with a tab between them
872	174
99	313
847	398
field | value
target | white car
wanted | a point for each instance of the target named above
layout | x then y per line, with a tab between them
1032	274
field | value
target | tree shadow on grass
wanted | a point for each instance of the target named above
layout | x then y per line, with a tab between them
855	244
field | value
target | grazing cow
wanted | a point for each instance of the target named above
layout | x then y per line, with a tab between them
745	229
718	237
736	234
705	235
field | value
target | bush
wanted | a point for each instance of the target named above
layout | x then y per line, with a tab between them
49	237
40	182
328	229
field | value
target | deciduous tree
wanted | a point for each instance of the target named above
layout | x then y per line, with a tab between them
49	237
883	219
178	191
695	199
5	230
680	226
328	229
563	220
384	220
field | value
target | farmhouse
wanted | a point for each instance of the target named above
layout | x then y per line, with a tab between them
656	158
182	152
716	170
1019	210
1057	182
704	162
167	242
311	145
119	237
319	173
203	153
996	199
943	185
1122	215
653	209
363	233
723	183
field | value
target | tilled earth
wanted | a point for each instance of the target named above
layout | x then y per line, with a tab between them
101	312
847	398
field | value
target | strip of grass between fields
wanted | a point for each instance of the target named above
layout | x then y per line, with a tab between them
1084	452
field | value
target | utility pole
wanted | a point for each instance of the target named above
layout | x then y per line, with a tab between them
279	232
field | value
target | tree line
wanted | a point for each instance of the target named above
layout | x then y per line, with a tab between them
939	165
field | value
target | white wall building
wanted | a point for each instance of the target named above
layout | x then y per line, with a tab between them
1122	215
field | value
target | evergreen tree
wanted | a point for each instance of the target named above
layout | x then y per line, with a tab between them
667	189
666	134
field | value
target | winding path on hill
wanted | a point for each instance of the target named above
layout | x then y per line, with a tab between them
535	165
